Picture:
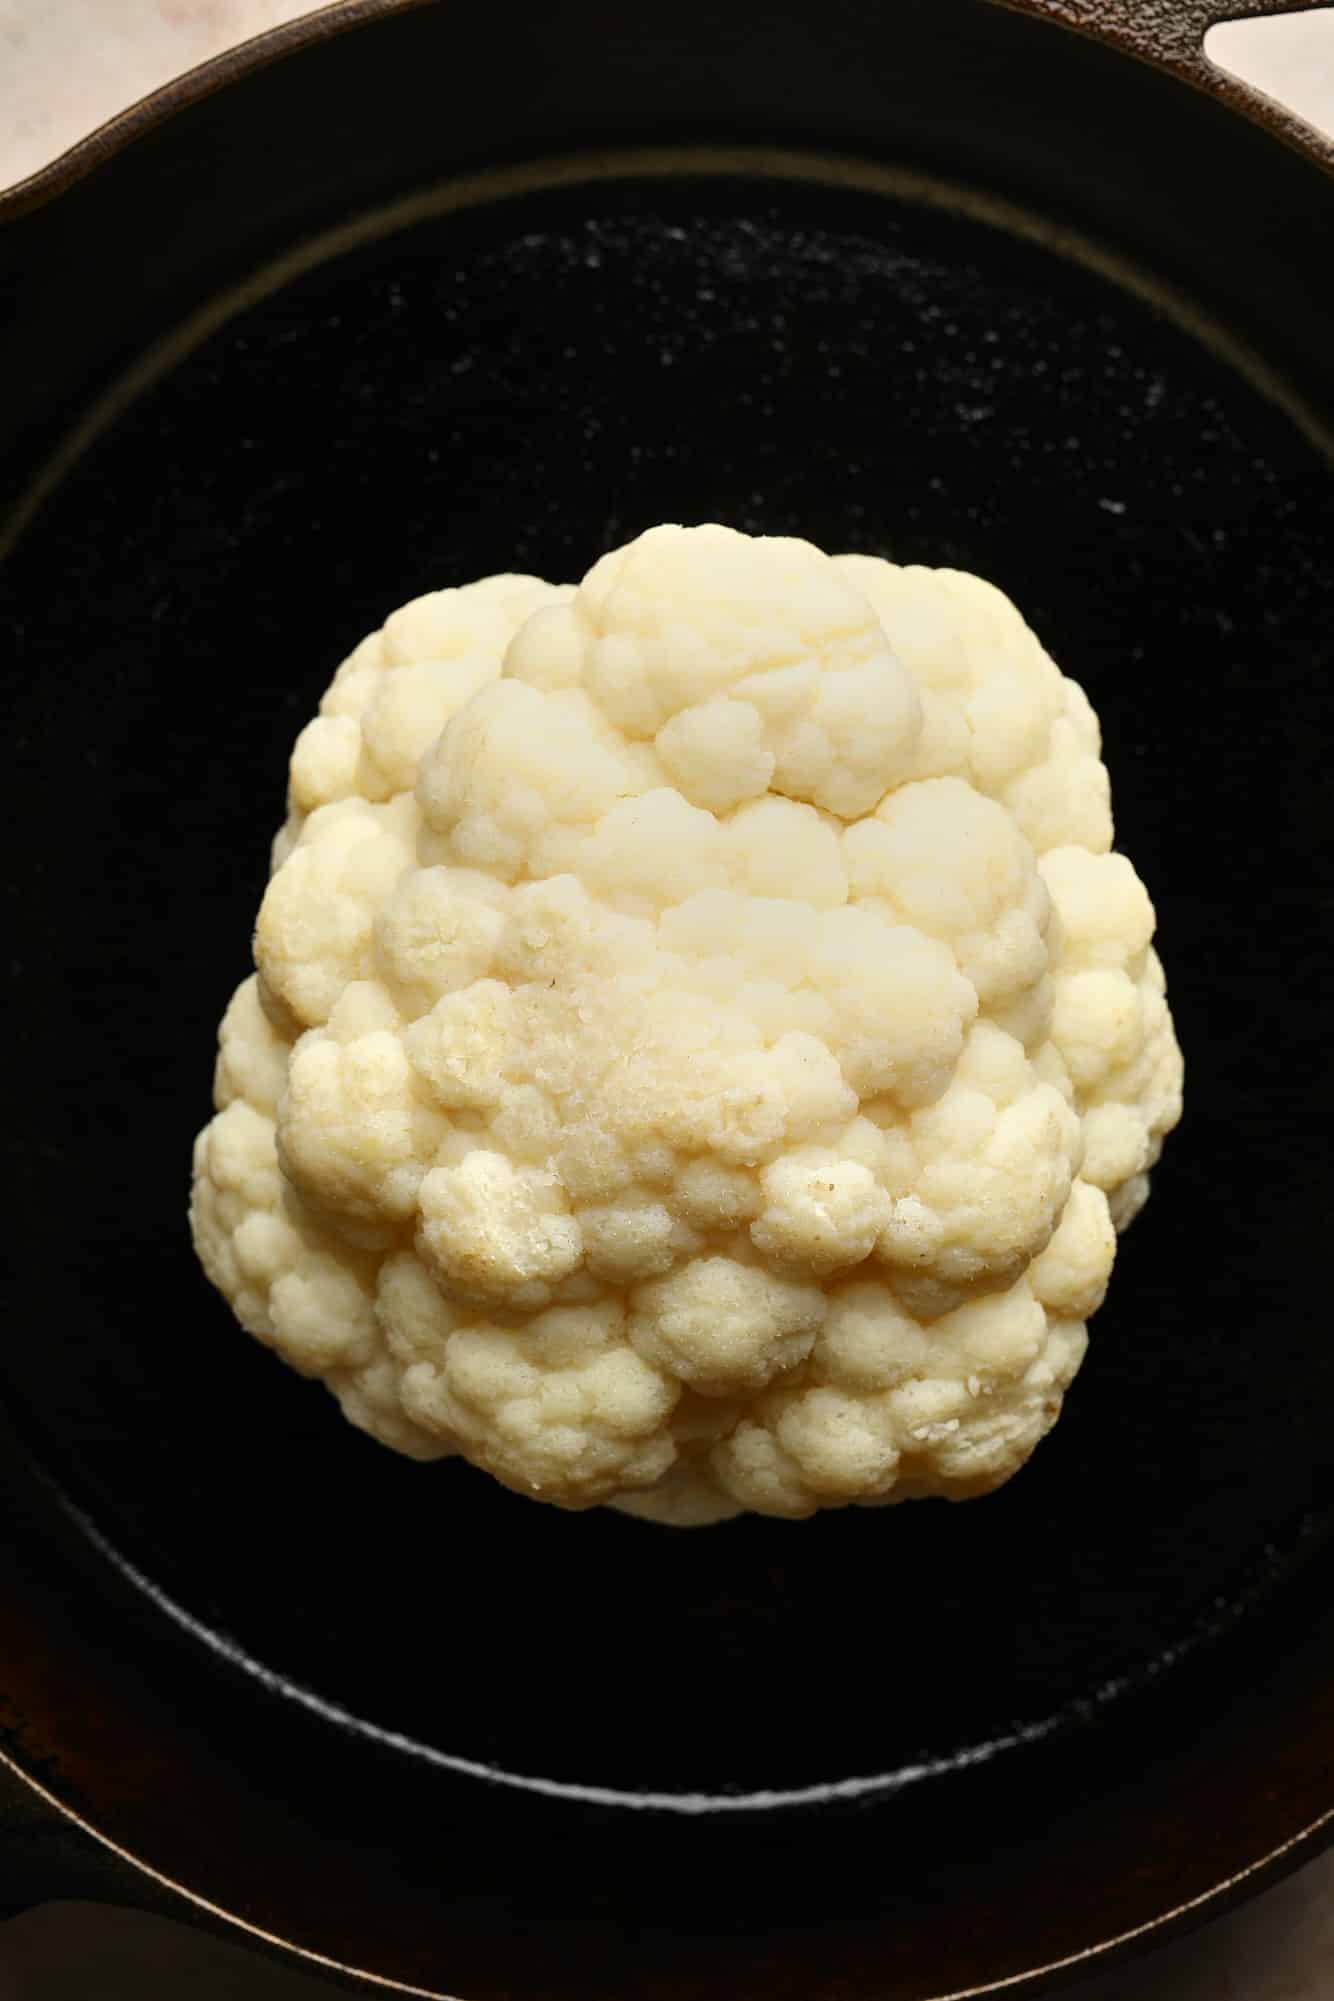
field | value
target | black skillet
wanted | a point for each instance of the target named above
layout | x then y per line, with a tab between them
470	289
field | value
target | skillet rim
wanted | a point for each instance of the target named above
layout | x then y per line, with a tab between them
1170	38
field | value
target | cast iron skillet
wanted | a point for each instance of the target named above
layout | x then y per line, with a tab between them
462	291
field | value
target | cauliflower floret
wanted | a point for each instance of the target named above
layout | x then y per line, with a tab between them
316	923
353	1130
722	1326
495	1232
394	693
702	1046
564	1403
820	1212
1111	1023
298	1288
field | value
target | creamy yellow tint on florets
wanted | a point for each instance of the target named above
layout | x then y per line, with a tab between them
702	1045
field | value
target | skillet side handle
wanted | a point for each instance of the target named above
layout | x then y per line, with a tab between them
1170	34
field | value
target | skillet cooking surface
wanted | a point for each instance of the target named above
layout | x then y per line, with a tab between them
523	384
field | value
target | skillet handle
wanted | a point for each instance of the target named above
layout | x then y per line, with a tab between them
1170	34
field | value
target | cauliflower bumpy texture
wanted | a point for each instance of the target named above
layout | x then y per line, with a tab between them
702	1045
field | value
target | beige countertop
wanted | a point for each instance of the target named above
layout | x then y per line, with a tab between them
65	67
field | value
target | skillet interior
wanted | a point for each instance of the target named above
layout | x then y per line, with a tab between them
798	355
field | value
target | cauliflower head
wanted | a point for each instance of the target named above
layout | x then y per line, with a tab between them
702	1045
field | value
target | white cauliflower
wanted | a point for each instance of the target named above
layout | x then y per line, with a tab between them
702	1045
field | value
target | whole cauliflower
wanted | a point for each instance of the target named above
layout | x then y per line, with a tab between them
702	1046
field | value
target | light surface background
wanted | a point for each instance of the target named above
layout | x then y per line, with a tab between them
65	67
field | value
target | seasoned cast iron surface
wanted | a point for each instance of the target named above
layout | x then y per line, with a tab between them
523	386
